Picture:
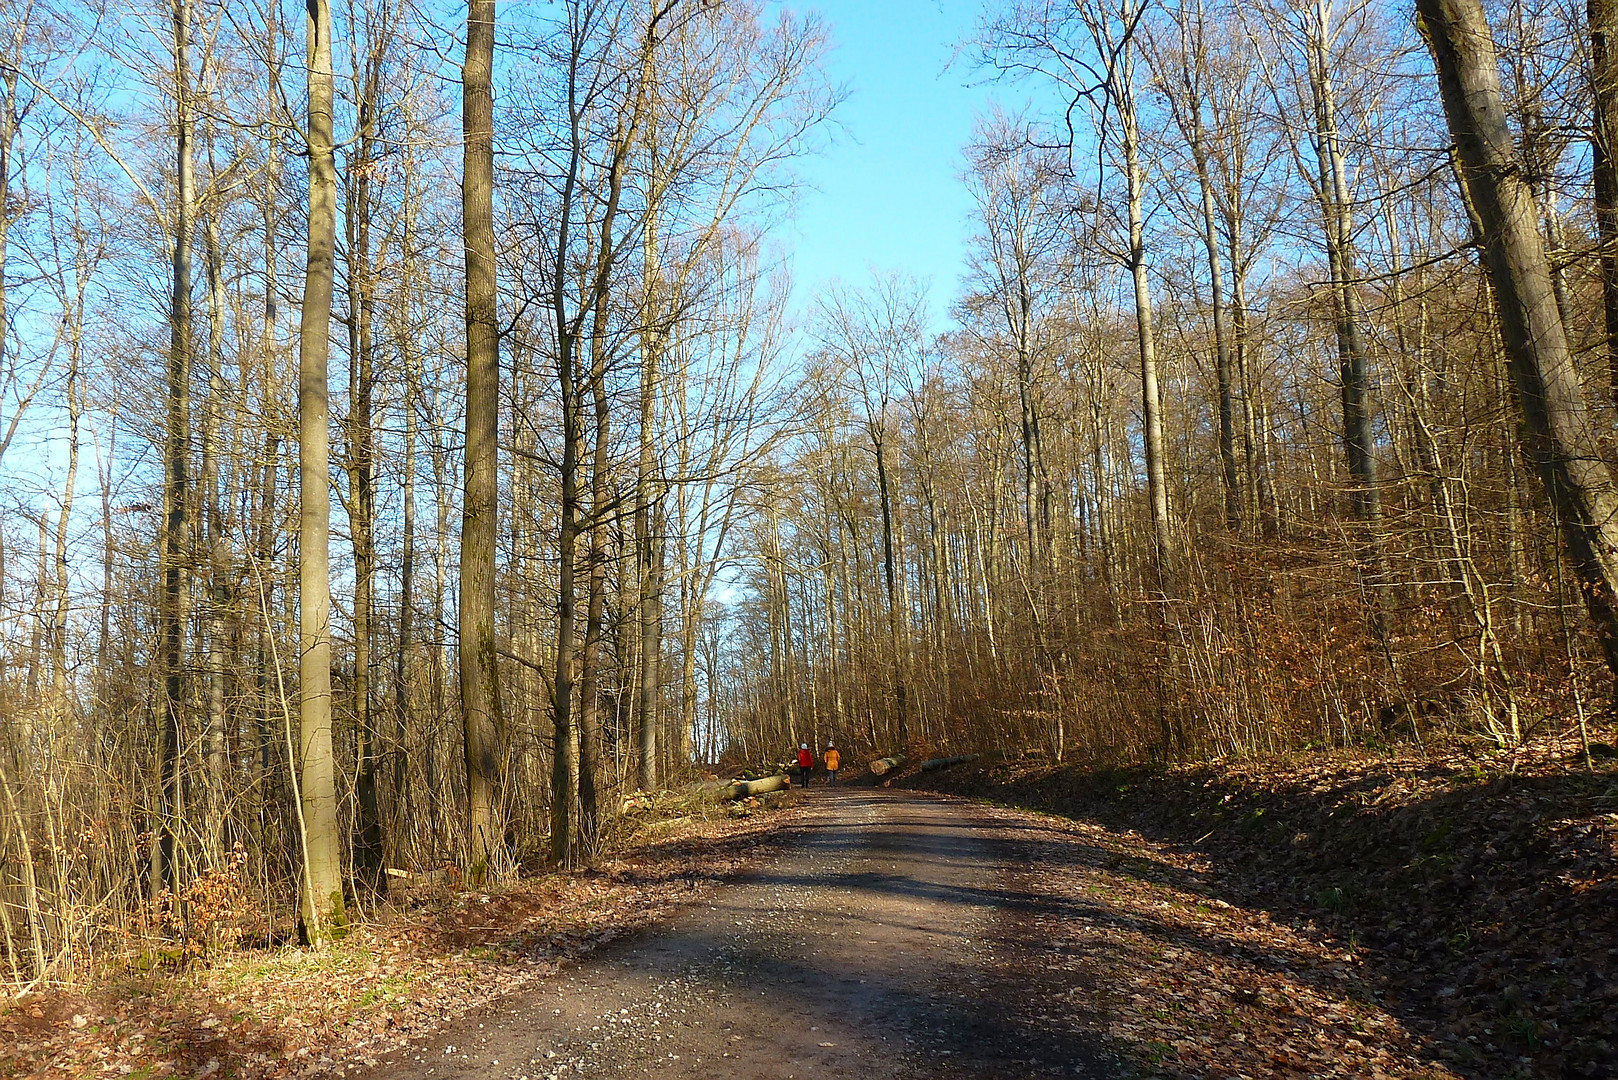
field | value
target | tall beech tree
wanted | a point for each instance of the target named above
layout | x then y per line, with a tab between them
1559	434
481	716
323	911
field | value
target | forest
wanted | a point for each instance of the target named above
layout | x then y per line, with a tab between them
412	445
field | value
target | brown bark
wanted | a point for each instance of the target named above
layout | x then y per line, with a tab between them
1558	434
648	552
1353	365
322	909
212	524
1163	545
1603	16
480	687
174	608
404	650
361	466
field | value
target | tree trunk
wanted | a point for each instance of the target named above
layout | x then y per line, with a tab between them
1557	431
1354	369
322	910
562	793
480	688
601	494
1188	114
648	551
405	646
901	691
269	703
590	771
742	789
173	612
651	638
211	518
1151	399
361	475
1603	15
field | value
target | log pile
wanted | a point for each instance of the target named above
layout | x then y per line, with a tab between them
742	789
883	766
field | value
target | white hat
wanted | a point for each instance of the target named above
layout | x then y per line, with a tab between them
803	746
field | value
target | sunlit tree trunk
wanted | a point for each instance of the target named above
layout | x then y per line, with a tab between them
480	687
174	609
361	454
323	912
1557	429
404	650
649	602
590	744
1335	203
211	520
1151	397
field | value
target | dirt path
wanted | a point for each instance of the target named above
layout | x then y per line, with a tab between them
892	937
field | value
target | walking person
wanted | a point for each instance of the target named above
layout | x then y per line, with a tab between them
806	763
833	761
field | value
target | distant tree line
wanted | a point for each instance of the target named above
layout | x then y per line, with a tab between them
1279	413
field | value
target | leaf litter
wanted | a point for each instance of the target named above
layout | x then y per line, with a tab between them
286	1012
1447	914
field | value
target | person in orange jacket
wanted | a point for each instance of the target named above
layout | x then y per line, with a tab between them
806	763
833	761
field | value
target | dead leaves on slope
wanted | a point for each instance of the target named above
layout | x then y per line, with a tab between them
1459	910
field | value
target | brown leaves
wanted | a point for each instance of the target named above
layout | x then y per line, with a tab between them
273	1013
1190	984
1453	911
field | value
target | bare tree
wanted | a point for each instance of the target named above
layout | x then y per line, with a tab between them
1558	434
323	909
479	669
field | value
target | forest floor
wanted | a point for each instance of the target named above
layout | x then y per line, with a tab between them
1453	911
1444	915
412	967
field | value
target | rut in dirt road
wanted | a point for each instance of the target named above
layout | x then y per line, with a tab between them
887	939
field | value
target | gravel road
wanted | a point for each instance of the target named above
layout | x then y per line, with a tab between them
889	938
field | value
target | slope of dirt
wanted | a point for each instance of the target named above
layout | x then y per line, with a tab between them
1473	897
278	1012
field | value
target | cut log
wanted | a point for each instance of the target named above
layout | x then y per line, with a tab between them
883	766
741	789
945	762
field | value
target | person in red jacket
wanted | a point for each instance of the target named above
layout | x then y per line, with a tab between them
806	763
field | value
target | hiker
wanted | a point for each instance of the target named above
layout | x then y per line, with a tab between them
806	763
833	761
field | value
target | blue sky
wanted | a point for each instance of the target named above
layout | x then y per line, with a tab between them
888	194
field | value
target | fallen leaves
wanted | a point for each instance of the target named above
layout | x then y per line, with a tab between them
267	1013
1419	917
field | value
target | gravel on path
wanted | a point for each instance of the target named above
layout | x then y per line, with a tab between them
890	938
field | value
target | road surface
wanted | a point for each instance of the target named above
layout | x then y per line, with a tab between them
891	937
